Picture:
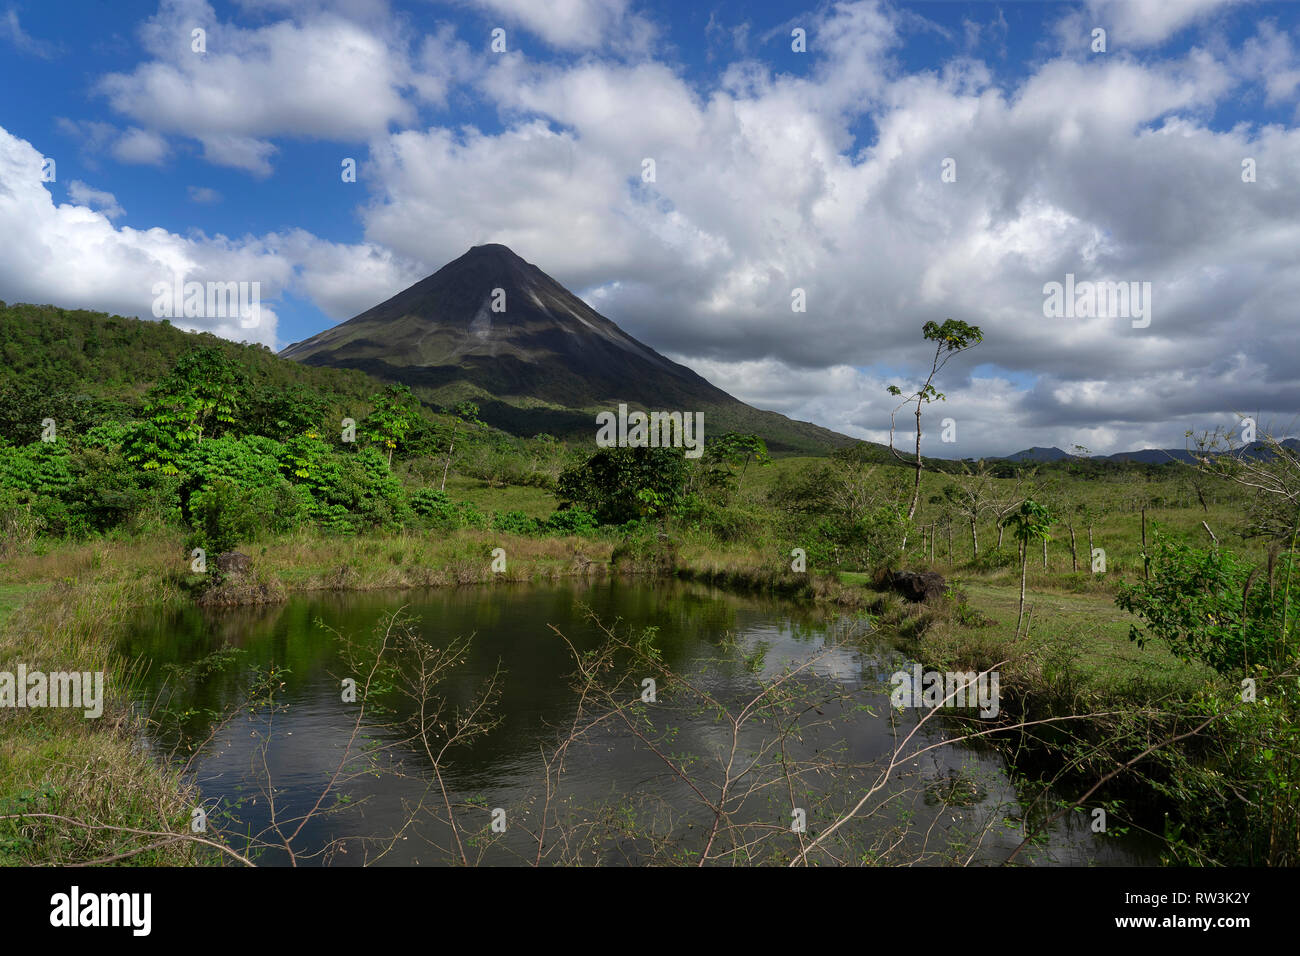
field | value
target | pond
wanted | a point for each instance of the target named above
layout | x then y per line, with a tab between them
254	702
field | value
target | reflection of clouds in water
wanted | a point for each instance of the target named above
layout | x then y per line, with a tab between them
786	650
849	727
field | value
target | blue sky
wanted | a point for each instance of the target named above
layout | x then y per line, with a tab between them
775	170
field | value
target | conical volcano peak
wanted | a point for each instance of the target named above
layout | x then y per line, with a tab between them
538	356
493	248
492	255
492	263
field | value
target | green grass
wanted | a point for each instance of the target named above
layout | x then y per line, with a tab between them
534	502
13	595
1088	630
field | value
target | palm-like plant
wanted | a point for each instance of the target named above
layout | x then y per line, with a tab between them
1029	522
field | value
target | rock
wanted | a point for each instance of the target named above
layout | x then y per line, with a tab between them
918	585
234	562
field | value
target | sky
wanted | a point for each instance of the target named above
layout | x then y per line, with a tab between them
913	162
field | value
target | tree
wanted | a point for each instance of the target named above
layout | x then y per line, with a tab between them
618	485
736	450
395	411
1270	471
197	399
950	338
1198	476
281	412
971	497
1007	502
1030	522
464	415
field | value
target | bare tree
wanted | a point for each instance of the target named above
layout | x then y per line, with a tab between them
951	338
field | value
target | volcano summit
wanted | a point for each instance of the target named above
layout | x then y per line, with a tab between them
497	330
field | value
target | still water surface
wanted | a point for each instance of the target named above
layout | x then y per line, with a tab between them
952	804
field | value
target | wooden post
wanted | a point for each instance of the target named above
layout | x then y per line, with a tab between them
1044	552
1074	551
933	525
950	540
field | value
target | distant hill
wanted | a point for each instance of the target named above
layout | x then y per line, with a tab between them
545	362
1038	454
1146	456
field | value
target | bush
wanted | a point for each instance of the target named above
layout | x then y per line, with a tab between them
1210	606
222	517
437	510
571	521
516	522
622	484
433	505
995	559
866	544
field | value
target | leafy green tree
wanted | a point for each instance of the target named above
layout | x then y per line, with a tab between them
618	485
395	411
282	411
1212	607
951	338
198	399
1030	522
733	450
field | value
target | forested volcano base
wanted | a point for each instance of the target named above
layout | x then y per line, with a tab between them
141	467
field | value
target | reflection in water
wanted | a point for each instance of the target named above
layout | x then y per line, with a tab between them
615	796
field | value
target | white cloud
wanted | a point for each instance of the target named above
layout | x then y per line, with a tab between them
1138	23
74	256
204	194
344	280
98	199
323	75
241	152
140	146
1269	57
12	30
606	25
133	145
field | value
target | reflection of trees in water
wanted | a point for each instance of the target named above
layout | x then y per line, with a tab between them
738	750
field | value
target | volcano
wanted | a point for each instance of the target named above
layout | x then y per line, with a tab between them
497	330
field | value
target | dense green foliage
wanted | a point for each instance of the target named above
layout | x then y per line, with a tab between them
110	423
623	484
1213	607
1210	605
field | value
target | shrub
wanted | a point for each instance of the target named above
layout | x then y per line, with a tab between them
1212	607
433	505
222	517
516	522
995	559
571	521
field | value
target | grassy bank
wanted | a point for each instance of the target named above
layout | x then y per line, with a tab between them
74	789
90	792
65	607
